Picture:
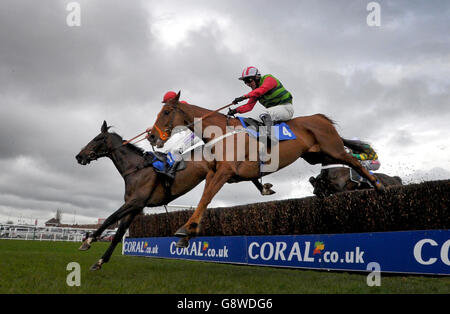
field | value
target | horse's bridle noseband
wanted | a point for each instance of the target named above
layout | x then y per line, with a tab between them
164	135
94	155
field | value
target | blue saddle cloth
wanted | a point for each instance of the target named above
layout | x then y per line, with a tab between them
282	131
159	161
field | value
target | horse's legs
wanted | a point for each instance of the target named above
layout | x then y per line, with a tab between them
123	226
265	189
113	218
351	161
334	147
215	182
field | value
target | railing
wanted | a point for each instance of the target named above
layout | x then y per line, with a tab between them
25	232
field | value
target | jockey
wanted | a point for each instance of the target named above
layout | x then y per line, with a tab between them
180	140
269	91
367	156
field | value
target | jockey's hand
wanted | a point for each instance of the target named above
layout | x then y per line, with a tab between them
149	129
239	99
231	112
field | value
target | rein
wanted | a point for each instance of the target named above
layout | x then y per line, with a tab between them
164	135
208	114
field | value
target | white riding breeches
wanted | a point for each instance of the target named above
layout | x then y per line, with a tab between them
282	112
371	164
180	142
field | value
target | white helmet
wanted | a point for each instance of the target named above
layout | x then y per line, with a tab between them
249	72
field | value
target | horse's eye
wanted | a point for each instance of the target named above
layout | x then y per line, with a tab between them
166	112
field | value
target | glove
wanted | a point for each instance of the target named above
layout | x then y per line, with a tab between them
231	112
239	99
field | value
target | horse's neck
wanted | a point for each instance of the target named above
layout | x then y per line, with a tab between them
123	157
193	113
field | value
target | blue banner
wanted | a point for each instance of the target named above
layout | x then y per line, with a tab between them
421	252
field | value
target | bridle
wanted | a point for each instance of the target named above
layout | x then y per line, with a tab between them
107	153
164	135
94	155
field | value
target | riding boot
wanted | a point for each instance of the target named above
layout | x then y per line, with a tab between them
313	181
171	172
267	120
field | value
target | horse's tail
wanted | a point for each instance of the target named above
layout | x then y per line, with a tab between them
359	146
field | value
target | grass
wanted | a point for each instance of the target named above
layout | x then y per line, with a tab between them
40	267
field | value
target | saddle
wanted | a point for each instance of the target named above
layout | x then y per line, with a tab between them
162	162
282	130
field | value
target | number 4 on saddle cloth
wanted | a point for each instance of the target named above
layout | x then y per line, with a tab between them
282	131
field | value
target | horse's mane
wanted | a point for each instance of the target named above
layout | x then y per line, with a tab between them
138	150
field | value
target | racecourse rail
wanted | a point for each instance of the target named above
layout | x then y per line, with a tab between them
28	232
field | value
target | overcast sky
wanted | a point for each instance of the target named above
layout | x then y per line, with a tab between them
386	84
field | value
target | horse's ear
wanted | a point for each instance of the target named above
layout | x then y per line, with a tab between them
177	98
104	127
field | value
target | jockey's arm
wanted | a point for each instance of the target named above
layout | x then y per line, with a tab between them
268	84
248	106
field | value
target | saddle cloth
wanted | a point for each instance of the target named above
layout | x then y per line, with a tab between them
161	162
282	131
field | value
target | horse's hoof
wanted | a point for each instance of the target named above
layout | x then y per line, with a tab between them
85	246
191	231
96	266
182	243
181	233
266	190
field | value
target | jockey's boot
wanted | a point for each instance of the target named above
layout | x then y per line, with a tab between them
267	120
171	172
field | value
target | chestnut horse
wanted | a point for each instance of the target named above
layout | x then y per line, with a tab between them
314	134
144	187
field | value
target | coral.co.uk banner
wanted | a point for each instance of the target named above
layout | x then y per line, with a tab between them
422	252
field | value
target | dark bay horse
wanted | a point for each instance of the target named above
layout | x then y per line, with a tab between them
314	134
143	186
338	179
335	178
